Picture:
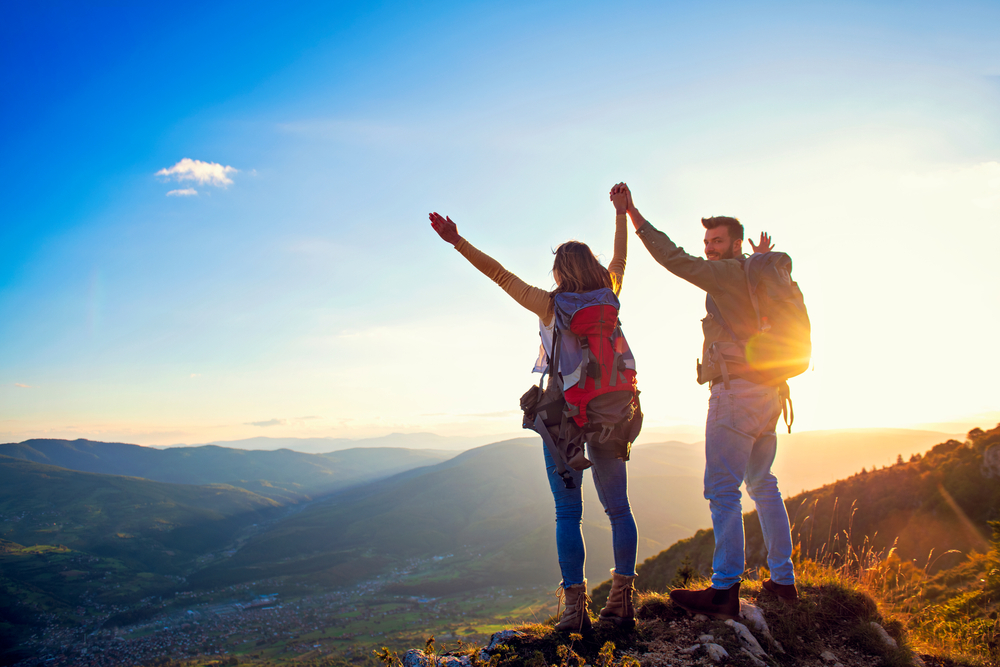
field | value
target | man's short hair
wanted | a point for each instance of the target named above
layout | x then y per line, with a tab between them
732	225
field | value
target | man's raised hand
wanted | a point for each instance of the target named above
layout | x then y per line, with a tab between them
445	228
764	245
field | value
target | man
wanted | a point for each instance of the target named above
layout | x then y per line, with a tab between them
740	439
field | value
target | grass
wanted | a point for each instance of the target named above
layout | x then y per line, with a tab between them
951	613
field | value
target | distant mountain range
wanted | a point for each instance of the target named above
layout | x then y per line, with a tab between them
324	445
283	475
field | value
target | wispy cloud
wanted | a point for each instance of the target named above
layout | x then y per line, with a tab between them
23	386
269	422
186	192
203	173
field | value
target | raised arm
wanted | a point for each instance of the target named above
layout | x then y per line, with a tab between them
619	197
709	276
534	299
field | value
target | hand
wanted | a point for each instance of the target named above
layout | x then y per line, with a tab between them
764	245
620	197
445	228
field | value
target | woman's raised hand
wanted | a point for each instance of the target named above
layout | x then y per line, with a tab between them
445	228
620	197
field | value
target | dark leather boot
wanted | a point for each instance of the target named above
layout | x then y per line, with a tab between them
787	593
724	603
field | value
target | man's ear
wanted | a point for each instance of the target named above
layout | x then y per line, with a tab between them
737	247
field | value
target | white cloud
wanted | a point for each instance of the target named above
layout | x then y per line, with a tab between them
186	192
23	386
204	173
269	422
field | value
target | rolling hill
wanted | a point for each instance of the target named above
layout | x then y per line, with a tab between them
283	475
488	510
921	509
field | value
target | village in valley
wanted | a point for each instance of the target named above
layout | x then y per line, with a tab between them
245	620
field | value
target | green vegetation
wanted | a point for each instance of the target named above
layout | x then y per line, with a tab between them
911	536
834	615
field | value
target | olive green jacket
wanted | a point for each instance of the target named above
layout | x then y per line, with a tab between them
726	282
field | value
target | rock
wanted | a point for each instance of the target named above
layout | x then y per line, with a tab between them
700	617
704	639
416	658
826	656
502	637
747	639
757	662
716	652
691	649
884	636
755	619
497	639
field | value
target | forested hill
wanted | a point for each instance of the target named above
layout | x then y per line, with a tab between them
922	535
933	503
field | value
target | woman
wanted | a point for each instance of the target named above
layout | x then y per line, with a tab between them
575	269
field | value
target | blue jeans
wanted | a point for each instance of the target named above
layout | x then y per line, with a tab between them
611	481
740	444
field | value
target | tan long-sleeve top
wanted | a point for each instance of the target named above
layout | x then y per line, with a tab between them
536	299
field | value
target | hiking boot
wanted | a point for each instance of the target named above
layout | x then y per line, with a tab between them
575	617
785	592
718	603
619	609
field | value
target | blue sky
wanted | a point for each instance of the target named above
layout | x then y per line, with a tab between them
301	292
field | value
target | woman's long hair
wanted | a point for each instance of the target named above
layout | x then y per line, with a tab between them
579	270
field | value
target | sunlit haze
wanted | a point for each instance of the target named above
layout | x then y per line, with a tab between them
214	221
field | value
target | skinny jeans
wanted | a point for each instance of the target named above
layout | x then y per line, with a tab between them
611	481
740	445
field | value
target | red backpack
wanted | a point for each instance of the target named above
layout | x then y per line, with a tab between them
591	395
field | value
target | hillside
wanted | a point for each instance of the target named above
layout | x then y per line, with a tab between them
72	542
283	475
489	510
920	529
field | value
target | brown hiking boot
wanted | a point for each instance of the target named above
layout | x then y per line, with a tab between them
718	603
619	609
785	592
575	618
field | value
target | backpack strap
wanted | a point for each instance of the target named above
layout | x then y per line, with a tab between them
717	356
560	461
540	427
713	310
752	289
787	410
